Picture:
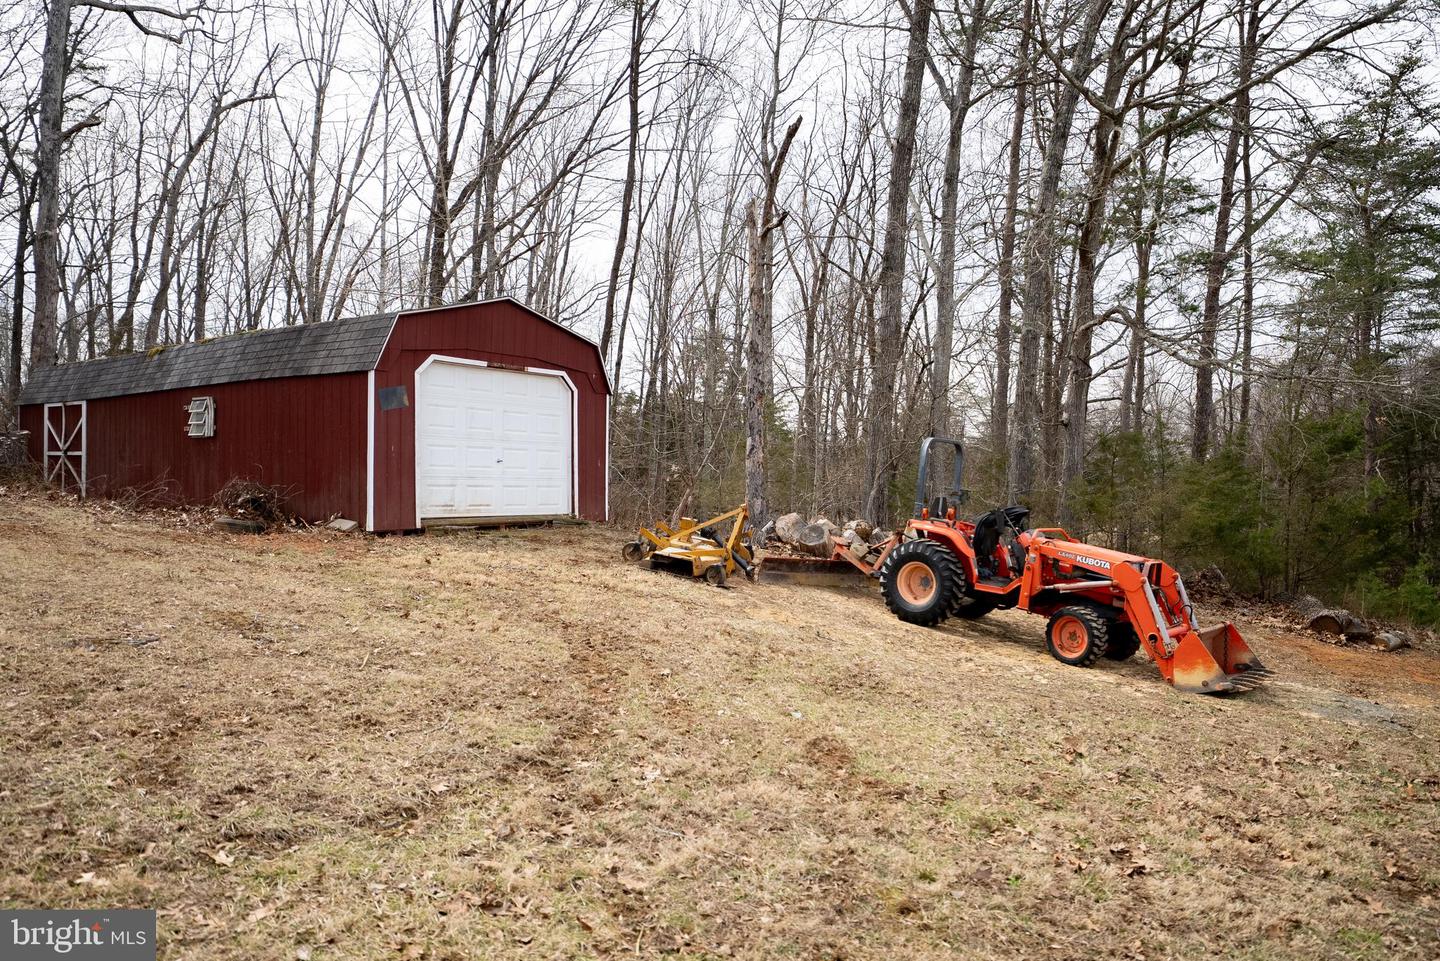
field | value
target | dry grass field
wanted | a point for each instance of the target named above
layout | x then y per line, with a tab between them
513	745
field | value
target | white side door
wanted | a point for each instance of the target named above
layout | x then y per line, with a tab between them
491	442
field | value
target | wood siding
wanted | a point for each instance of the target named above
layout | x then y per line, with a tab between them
498	332
306	434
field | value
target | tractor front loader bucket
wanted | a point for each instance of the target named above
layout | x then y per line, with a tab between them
1215	660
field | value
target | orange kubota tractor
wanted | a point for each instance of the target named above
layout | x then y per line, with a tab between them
1100	602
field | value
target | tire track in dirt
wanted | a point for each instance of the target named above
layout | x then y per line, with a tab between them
583	715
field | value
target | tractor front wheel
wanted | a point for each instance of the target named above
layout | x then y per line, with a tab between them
1077	636
922	582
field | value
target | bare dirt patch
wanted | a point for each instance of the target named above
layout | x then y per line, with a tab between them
514	745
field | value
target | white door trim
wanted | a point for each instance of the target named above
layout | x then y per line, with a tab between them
609	409
467	362
61	450
370	452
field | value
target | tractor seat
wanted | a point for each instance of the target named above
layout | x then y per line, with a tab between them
989	528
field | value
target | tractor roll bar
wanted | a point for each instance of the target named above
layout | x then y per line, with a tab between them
923	473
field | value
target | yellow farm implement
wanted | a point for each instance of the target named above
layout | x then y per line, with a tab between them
698	548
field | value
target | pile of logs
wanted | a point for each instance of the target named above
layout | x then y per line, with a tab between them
1347	627
819	536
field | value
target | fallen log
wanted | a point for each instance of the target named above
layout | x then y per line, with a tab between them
1390	641
239	525
787	527
1338	622
816	537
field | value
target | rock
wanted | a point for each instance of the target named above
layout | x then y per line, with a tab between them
860	548
861	528
1308	605
1390	640
239	525
344	525
878	537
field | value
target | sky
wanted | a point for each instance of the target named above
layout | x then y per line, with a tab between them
832	49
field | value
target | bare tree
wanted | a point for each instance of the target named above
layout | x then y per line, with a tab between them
640	18
960	41
1005	273
762	219
1037	301
322	165
1249	27
55	68
879	463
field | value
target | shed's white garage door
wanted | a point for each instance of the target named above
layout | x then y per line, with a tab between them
491	442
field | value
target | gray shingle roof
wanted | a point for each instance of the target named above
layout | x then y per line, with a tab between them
335	347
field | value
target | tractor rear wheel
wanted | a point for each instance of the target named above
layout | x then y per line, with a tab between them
1077	635
922	582
970	604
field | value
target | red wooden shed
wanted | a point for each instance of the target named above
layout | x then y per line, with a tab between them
474	412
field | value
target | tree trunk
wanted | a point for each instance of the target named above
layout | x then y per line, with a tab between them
1147	226
756	359
1247	293
959	108
17	301
1038	299
761	221
1106	139
879	468
437	225
627	196
1000	401
1204	417
1132	399
643	213
46	236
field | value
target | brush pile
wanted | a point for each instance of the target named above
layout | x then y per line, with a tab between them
253	506
13	449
